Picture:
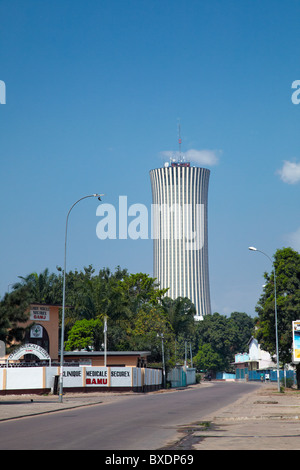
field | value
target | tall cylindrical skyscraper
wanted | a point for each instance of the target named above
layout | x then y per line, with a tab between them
179	232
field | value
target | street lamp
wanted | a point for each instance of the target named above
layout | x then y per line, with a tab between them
163	358
64	296
252	248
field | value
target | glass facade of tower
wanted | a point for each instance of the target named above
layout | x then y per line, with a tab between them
179	230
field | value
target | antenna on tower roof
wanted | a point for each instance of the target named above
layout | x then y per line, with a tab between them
180	157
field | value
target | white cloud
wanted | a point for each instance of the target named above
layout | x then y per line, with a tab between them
294	240
201	157
290	172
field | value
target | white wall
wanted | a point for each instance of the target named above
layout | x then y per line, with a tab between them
20	378
26	378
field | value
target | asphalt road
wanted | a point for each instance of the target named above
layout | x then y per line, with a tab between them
137	422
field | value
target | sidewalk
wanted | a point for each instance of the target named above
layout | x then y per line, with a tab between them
20	406
261	420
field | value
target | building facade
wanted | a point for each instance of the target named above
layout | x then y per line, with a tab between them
258	365
179	232
42	332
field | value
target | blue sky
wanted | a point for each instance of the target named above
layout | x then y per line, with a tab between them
94	91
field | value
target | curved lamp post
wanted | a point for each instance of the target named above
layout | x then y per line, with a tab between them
252	248
64	298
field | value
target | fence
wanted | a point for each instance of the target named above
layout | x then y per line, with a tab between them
225	376
271	375
181	376
43	379
256	375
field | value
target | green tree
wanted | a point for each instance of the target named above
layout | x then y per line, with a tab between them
14	312
213	330
226	335
14	307
141	289
180	312
134	294
240	331
120	296
287	269
90	296
151	323
86	334
42	288
207	359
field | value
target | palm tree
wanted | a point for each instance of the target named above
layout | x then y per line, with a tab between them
41	287
180	312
